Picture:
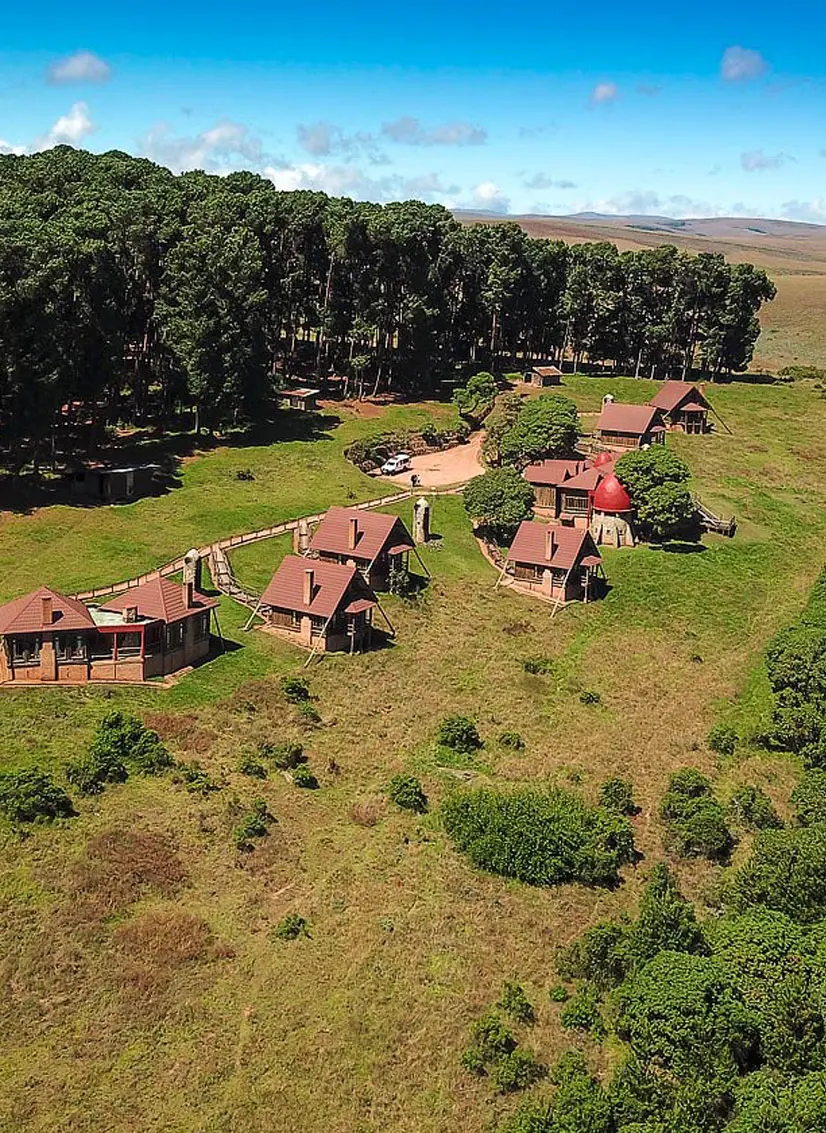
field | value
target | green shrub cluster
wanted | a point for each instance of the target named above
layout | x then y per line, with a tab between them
32	795
459	733
284	757
695	821
513	741
786	872
540	837
538	666
809	797
515	1003
498	501
582	1012
618	795
476	397
723	739
406	791
291	927
195	778
255	824
751	807
302	776
249	765
122	744
657	481
369	453
493	1050
295	689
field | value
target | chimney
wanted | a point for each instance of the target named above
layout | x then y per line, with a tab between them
309	576
352	532
130	613
550	544
189	595
46	610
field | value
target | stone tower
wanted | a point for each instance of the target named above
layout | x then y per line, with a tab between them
421	520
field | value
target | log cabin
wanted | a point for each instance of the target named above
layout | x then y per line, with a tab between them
684	407
564	488
562	563
543	376
320	605
630	426
153	630
374	542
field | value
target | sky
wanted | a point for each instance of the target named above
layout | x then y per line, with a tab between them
713	109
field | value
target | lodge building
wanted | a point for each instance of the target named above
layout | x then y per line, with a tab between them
376	543
561	563
325	606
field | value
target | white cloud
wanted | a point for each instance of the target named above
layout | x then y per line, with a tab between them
408	131
349	180
7	148
739	64
70	129
756	161
604	93
808	212
80	67
543	181
222	148
320	139
648	202
488	197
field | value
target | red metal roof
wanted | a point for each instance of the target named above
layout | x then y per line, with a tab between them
633	420
530	546
586	481
553	472
333	585
603	458
671	396
160	600
547	371
611	495
25	615
375	532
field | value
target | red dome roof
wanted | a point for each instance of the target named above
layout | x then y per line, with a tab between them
602	458
611	495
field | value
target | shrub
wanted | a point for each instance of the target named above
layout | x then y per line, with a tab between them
618	795
582	1012
302	776
657	481
249	765
490	1040
309	713
283	756
786	872
295	689
406	792
517	1071
124	739
540	837
498	501
752	808
590	697
195	778
459	733
91	772
722	739
291	927
600	956
666	921
538	666
695	820
254	824
559	994
33	796
512	741
515	1003
809	797
475	399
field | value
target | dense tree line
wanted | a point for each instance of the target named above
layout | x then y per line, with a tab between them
128	289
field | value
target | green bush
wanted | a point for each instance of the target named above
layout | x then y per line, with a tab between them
722	739
657	481
406	792
490	1040
249	765
600	956
666	921
786	872
195	778
582	1013
124	739
515	1003
517	1071
752	808
254	824
459	733
291	927
546	426
32	796
540	837
559	994
809	797
282	756
302	776
618	795
91	772
695	821
309	713
512	741
498	501
295	689
590	697
538	666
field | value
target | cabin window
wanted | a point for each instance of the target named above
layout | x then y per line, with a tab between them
101	646
317	626
129	644
576	504
153	639
26	650
175	636
201	626
527	573
70	646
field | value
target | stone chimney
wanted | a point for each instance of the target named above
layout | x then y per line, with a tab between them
309	578
189	594
301	537
352	532
550	544
130	613
46	610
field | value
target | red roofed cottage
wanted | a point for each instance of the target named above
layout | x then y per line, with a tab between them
559	562
374	542
684	406
630	426
320	605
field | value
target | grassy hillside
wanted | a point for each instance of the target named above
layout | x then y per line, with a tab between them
144	984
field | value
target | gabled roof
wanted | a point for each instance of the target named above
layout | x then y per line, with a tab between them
571	545
375	532
25	615
553	472
334	586
671	396
635	420
588	479
160	600
547	371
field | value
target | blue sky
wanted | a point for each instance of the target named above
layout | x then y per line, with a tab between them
717	109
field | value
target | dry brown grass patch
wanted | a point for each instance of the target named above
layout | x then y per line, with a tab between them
367	812
183	730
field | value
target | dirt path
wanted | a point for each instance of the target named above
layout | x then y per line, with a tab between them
452	466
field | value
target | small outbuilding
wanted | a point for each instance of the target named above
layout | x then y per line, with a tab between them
543	376
630	426
684	406
376	543
320	605
301	398
561	563
114	485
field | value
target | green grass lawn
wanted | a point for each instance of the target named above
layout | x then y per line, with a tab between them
146	988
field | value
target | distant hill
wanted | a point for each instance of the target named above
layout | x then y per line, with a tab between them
794	255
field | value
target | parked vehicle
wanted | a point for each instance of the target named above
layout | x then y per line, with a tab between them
395	464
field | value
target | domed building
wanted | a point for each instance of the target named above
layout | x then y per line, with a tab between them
611	513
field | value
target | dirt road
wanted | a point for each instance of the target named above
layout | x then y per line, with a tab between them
452	466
